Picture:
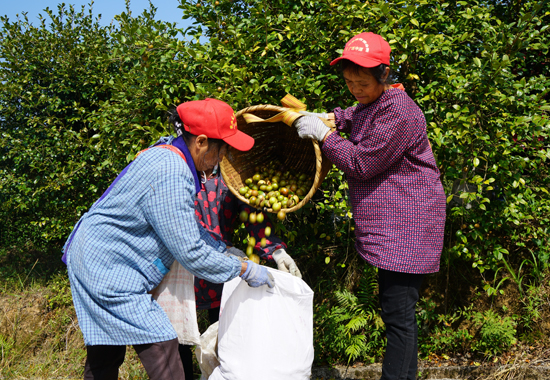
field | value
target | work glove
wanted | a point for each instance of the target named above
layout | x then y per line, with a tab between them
236	252
311	127
285	263
324	115
257	275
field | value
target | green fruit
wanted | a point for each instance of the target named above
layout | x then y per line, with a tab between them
267	231
252	217
256	177
243	190
281	215
249	181
277	206
260	218
263	242
290	202
243	216
249	250
255	258
251	241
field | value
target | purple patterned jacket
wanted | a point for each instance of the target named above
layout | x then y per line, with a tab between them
396	194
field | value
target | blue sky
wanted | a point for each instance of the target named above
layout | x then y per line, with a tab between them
167	9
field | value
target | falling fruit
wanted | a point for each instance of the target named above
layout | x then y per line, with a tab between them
259	218
243	216
252	241
254	258
267	231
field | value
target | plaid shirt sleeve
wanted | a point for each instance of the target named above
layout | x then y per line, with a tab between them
171	212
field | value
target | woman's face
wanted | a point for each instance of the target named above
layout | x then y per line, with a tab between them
210	157
363	86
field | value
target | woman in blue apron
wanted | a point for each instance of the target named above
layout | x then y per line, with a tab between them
121	248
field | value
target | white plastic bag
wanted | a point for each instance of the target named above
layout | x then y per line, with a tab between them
176	295
265	333
207	351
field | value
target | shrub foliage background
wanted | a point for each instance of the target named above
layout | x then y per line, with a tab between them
78	100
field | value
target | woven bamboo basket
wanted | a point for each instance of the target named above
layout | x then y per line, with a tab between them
274	141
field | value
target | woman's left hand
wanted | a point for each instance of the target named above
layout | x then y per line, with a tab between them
311	127
285	263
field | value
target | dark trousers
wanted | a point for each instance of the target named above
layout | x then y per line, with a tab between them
399	293
185	350
160	360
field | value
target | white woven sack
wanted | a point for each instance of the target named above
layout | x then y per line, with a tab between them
207	351
265	333
176	295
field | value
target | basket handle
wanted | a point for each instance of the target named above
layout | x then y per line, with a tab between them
288	115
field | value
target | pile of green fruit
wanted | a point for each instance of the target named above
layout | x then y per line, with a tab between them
276	188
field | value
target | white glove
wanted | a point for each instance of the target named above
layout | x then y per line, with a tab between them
311	127
324	115
285	263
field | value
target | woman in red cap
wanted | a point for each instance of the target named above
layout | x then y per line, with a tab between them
121	248
396	195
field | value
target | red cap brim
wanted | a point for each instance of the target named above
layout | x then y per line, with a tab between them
240	141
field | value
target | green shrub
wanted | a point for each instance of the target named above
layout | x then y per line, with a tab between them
495	335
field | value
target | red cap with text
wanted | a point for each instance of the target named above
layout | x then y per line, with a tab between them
367	50
216	120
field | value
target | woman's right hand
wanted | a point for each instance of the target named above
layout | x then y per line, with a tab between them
257	275
311	127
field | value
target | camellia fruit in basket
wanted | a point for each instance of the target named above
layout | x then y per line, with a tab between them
275	187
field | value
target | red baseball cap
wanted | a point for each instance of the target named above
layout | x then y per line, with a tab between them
216	120
367	50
